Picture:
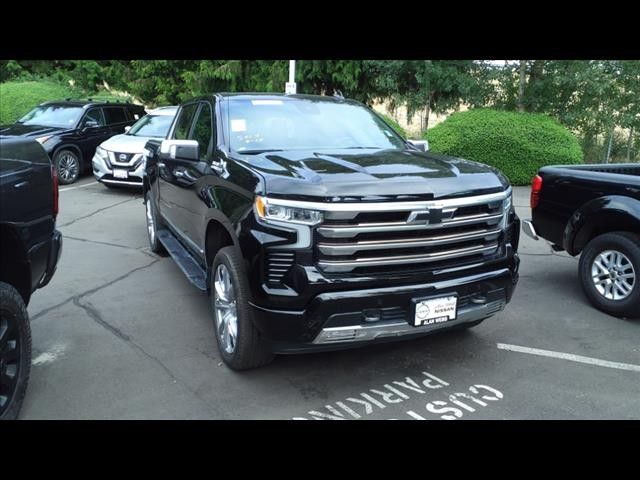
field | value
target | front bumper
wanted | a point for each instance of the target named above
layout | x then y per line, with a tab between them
55	251
104	173
336	320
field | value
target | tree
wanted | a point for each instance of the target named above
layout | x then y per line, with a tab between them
432	85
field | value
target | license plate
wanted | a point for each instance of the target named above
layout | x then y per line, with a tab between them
119	173
430	311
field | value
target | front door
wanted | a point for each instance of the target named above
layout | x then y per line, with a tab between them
190	174
93	131
171	179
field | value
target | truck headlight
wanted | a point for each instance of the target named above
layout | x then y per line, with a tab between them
269	210
506	208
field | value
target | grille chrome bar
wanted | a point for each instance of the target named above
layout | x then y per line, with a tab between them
351	248
349	265
393	206
352	230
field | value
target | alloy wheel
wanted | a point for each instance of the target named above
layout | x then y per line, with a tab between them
226	311
613	275
9	359
68	167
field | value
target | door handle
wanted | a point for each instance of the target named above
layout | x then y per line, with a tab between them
161	165
21	184
219	167
184	174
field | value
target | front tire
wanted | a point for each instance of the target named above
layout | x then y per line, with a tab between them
15	351
68	164
610	273
239	342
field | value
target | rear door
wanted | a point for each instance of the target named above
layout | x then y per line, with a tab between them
117	119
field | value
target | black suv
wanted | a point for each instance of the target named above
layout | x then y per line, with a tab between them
315	226
71	130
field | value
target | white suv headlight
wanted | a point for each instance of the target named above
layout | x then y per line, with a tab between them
271	211
101	152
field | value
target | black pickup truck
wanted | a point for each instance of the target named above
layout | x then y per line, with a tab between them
30	247
594	210
314	225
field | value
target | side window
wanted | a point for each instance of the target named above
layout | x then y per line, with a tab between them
115	115
94	117
202	131
135	114
184	121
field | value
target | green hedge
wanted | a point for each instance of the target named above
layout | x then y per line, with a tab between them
396	126
516	143
17	98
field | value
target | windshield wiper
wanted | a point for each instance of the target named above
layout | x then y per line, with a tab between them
363	148
257	151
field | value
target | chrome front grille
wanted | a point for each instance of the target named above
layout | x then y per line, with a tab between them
410	235
130	161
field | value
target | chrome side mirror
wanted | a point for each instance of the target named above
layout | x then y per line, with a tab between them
181	149
422	145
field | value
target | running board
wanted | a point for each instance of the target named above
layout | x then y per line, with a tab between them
183	258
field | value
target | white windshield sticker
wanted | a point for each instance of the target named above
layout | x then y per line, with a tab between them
238	125
266	102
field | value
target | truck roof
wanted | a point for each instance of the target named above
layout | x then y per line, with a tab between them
86	103
281	96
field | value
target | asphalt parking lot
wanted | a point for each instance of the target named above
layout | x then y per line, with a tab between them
120	333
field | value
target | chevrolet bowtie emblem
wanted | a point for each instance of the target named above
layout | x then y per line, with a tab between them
430	216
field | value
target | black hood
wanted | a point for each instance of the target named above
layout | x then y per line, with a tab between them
372	174
21	130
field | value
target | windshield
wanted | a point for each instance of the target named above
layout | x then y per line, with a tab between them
53	116
152	126
257	125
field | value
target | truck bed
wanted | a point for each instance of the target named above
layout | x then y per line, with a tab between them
624	172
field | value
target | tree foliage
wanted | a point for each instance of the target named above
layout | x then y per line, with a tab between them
594	98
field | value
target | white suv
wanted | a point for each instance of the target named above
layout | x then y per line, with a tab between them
120	160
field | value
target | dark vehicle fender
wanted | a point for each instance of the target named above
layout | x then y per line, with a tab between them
56	148
15	268
219	233
151	169
601	215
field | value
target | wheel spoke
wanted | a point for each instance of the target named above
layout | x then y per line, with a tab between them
222	326
220	293
9	376
10	351
4	332
601	267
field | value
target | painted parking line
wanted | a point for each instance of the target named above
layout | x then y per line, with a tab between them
77	186
569	356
